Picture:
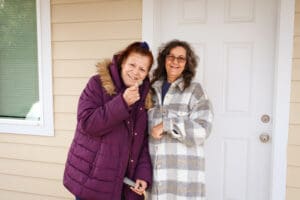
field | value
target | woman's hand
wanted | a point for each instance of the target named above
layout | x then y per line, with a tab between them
140	187
131	94
157	131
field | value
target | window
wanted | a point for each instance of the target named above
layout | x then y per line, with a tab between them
26	105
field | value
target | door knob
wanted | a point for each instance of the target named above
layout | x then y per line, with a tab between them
265	118
264	137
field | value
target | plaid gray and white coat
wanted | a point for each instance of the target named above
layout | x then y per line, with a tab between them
178	157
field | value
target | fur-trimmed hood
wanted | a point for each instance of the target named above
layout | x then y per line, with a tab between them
102	125
104	71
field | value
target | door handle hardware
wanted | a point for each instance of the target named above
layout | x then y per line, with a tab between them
265	118
264	137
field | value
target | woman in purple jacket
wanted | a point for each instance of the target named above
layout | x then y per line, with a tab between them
111	140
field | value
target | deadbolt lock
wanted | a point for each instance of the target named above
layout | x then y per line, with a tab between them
265	118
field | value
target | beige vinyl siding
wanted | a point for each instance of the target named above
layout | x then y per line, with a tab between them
293	165
83	33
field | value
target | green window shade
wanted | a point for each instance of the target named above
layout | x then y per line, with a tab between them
18	58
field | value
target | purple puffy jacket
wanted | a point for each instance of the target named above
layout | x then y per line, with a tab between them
111	140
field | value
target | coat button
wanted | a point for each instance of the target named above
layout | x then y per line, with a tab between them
135	134
164	112
131	160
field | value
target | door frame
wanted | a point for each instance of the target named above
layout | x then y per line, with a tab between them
282	86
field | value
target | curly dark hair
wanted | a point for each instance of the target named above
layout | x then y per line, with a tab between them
190	66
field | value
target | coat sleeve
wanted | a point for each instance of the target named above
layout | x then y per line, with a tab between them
193	128
144	166
95	116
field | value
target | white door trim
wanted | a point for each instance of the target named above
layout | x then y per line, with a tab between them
282	86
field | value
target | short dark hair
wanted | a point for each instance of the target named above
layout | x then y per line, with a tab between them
135	47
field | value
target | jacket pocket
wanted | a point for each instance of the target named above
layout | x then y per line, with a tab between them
106	165
177	114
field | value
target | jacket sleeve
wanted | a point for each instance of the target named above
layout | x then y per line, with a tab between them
96	117
193	128
144	166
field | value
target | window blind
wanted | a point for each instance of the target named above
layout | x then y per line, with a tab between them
18	58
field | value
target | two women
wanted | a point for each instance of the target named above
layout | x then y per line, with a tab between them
179	123
111	139
111	142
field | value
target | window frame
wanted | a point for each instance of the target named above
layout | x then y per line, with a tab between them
45	125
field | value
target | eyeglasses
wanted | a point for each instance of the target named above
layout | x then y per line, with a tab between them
179	59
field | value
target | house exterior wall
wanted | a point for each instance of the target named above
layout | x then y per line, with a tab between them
293	163
83	33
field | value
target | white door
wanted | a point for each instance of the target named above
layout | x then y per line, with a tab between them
235	41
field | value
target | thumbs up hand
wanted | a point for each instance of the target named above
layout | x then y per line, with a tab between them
131	94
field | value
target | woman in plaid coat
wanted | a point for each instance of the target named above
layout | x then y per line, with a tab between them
179	123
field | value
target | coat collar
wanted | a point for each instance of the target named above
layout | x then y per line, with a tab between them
178	83
105	77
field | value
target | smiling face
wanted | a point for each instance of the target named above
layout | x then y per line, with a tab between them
135	69
175	63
